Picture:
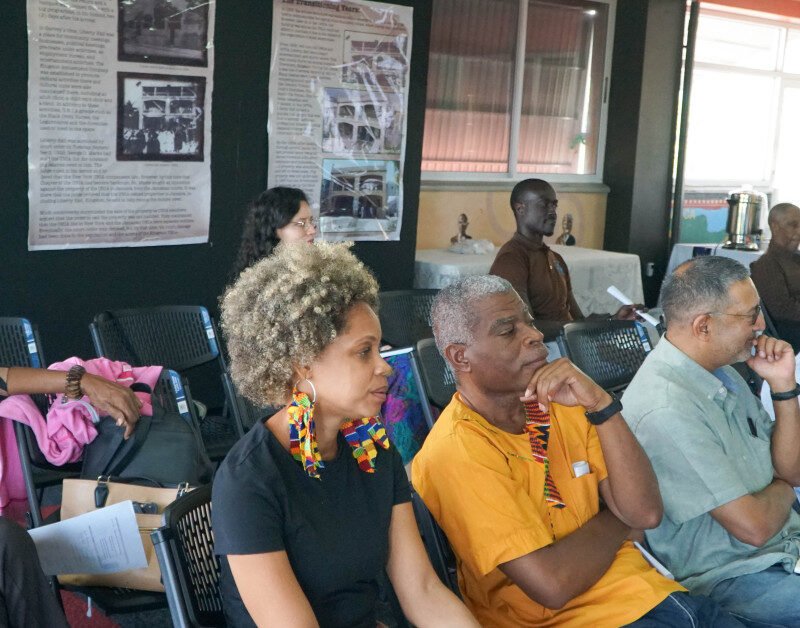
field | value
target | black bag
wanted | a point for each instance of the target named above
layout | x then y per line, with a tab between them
164	448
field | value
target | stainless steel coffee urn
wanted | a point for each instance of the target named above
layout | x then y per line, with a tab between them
744	214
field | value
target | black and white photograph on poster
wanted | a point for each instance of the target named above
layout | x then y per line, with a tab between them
359	197
373	59
160	118
163	31
361	121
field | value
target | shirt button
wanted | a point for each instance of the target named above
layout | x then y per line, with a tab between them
722	391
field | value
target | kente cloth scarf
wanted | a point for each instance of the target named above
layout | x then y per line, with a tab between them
537	425
361	434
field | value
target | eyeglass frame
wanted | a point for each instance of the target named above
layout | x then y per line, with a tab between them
758	311
304	224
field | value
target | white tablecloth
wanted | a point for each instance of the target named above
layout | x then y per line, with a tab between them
592	271
682	252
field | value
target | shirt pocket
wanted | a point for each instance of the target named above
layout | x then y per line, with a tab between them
757	467
585	496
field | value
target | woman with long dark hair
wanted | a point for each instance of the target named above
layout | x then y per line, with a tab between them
279	214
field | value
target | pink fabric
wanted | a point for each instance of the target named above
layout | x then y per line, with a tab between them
69	426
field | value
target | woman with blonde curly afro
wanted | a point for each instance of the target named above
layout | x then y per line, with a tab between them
312	506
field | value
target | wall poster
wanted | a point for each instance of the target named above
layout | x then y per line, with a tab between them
338	102
119	122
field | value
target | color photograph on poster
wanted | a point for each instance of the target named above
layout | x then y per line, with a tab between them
338	112
359	197
173	32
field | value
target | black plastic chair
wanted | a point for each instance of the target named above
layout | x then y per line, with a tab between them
246	413
610	352
178	337
20	346
438	379
405	316
436	544
190	570
784	329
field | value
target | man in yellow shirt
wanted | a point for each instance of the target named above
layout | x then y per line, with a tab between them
514	470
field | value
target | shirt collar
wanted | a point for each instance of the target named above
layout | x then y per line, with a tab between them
775	251
531	244
468	414
713	386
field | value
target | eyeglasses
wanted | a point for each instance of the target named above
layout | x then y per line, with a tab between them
752	315
305	224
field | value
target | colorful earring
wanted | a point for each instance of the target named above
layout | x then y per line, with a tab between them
362	435
302	441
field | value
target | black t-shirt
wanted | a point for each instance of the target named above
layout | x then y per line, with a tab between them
335	529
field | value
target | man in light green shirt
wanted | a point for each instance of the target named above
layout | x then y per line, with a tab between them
725	471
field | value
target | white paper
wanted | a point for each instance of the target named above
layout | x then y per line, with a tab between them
625	300
338	103
119	122
104	541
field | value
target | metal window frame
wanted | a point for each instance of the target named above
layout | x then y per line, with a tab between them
431	179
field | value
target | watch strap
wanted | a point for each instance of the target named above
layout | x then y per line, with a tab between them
601	416
789	394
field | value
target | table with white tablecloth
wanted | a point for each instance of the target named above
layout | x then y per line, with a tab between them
591	270
682	252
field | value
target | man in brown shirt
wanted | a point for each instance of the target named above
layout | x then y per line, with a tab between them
777	273
538	274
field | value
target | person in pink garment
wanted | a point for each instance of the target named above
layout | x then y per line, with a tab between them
26	598
108	397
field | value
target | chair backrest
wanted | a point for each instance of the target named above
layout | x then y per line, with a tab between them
405	315
172	393
20	346
438	379
245	412
19	343
769	325
178	337
436	544
190	570
406	413
610	352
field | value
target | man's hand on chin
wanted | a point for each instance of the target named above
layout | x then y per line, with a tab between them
775	362
564	383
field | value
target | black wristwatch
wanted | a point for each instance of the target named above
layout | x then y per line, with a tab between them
601	416
789	394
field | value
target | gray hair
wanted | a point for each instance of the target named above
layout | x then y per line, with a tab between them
452	314
700	285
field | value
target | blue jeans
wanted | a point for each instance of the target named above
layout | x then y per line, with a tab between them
682	610
767	598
